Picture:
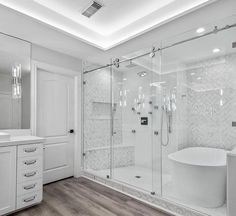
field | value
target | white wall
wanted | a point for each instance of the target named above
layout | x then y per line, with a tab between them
137	89
48	56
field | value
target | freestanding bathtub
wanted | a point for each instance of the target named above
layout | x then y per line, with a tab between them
199	176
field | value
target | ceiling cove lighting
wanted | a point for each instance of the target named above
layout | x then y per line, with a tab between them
103	32
216	50
200	30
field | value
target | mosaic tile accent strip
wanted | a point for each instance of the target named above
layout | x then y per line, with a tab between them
157	201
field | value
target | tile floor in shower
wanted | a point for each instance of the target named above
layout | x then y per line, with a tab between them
141	178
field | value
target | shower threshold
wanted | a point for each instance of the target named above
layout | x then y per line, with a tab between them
128	176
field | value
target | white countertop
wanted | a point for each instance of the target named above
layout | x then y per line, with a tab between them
21	140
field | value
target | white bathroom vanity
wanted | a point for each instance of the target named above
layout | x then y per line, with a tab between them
21	165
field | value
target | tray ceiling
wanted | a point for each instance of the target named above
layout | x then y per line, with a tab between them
116	22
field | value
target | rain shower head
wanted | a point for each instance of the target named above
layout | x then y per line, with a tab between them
142	73
131	64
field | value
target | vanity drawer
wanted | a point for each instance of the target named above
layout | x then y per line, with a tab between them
28	175
29	187
29	199
30	150
29	163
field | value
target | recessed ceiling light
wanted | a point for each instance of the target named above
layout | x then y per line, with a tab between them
124	79
216	50
200	30
199	78
142	73
192	74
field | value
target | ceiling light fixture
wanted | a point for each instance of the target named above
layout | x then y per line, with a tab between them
200	30
16	81
216	50
142	73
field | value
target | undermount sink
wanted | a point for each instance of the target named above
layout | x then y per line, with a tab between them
4	136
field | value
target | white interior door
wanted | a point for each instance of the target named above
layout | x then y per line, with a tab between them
55	119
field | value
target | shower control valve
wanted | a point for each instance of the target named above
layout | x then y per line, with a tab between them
156	107
156	133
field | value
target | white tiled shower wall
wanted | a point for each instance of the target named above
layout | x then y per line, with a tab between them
208	108
206	104
97	122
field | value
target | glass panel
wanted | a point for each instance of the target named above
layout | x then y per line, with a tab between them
156	94
97	122
133	103
198	105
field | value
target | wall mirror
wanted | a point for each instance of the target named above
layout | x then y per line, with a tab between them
15	56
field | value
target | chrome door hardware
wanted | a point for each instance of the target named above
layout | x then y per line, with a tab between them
30	174
116	63
156	133
29	199
30	162
29	150
30	187
133	131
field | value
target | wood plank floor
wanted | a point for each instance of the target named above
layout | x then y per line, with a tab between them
82	197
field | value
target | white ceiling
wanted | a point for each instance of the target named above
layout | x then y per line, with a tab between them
118	21
188	54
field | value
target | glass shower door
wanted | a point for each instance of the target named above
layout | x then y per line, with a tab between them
97	122
134	137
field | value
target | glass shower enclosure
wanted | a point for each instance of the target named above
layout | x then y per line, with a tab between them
149	105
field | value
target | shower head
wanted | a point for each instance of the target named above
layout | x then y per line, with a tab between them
131	64
142	73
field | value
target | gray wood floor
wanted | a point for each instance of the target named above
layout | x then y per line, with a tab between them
82	197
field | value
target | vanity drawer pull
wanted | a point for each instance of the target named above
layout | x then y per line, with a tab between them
30	162
29	150
30	174
30	187
29	199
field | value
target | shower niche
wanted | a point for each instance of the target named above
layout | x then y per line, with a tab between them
102	110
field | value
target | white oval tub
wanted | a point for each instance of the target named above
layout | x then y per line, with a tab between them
199	176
